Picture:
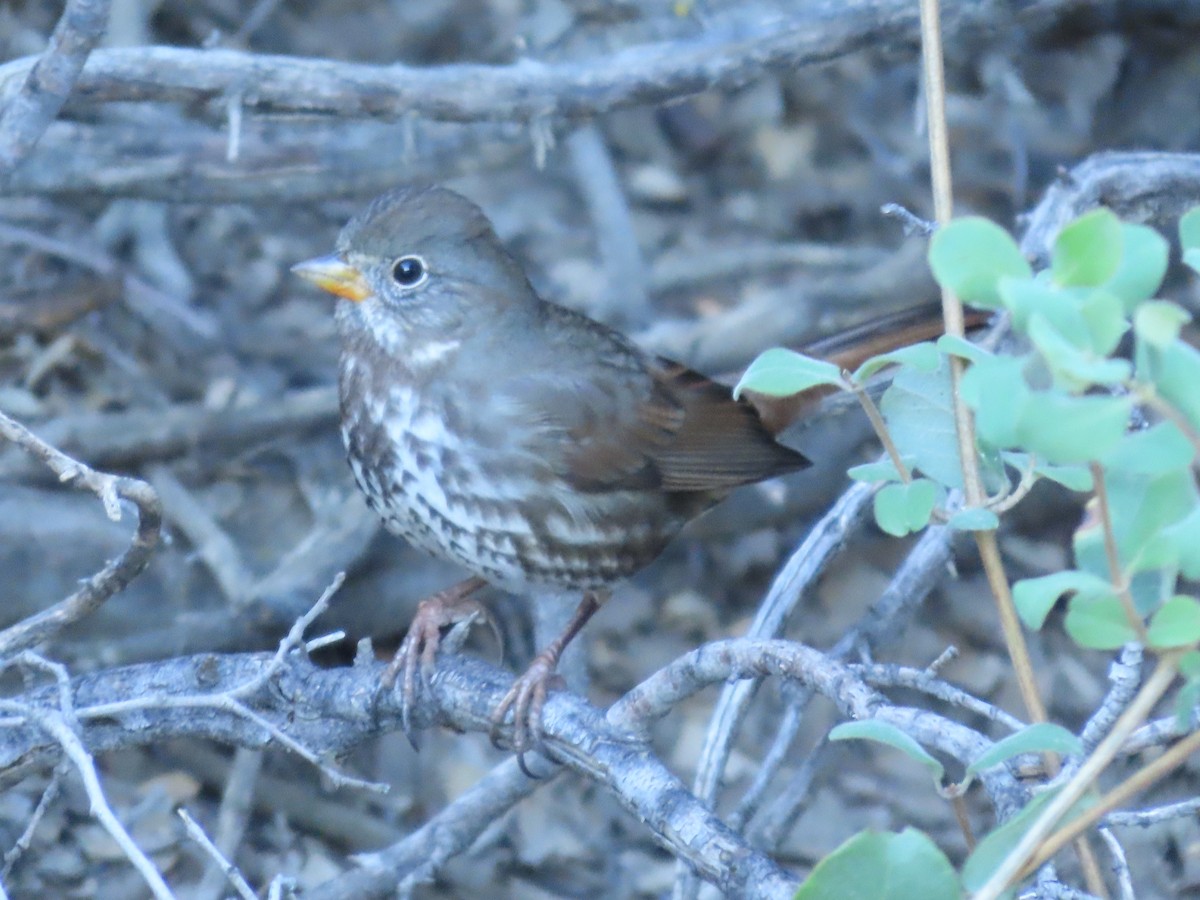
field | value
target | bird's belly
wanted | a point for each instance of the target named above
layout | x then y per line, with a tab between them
492	509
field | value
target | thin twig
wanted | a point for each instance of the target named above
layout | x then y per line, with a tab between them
1119	582
1171	760
881	430
821	544
1030	851
1143	818
1124	674
55	725
880	675
49	794
227	870
116	574
232	815
1120	864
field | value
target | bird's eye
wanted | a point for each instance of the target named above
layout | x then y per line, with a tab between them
409	271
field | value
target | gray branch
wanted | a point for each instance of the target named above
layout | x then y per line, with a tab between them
116	574
48	80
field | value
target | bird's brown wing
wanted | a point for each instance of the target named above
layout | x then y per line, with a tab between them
637	422
719	442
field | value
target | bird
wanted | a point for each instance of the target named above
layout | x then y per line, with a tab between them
525	441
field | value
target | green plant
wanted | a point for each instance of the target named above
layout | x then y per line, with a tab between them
1067	407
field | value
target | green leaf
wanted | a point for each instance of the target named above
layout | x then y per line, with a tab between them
1189	694
1065	429
920	417
1035	597
1073	478
1105	320
1189	663
1175	371
1040	737
1185	705
1148	588
1189	229
974	519
780	373
1158	322
1061	307
953	345
883	470
923	357
1143	265
1191	258
1155	450
969	256
1098	622
997	392
1184	536
1143	505
888	866
1077	367
994	848
1176	624
904	508
886	733
1087	252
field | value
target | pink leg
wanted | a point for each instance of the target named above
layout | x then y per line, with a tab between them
443	609
527	696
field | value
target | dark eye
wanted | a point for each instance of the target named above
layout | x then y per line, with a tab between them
408	271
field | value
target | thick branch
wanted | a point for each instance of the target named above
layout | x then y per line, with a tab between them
48	80
329	712
1147	187
734	48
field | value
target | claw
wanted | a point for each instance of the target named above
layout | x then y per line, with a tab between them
526	699
527	696
420	645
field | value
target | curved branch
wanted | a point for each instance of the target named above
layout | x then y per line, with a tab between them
283	699
330	711
118	572
1146	187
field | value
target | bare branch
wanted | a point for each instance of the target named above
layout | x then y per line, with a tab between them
117	573
1150	187
49	80
54	725
745	657
738	44
140	435
1120	864
161	155
418	857
821	544
917	679
49	795
1144	818
329	711
226	870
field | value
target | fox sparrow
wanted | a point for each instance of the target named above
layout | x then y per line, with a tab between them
531	444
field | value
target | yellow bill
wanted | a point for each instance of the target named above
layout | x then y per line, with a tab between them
333	274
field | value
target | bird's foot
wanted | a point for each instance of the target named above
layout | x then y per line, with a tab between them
527	696
526	699
419	648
